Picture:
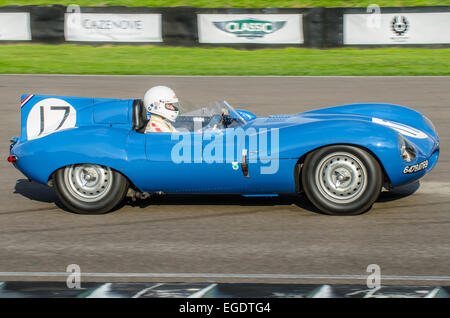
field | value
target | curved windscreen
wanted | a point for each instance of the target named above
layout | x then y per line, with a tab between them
213	115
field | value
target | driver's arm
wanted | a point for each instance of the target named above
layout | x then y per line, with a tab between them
214	123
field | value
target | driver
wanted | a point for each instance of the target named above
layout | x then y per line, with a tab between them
162	103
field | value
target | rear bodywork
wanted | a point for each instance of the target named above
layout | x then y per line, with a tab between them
60	131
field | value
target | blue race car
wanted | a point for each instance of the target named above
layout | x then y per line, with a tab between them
94	152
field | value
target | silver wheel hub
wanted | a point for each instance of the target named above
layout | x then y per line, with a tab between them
341	177
87	182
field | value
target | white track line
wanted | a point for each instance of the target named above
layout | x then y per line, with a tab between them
372	292
202	292
323	291
433	293
100	292
142	292
218	275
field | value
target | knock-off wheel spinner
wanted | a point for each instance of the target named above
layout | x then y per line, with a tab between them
88	182
341	177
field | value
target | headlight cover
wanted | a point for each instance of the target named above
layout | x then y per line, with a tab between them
407	150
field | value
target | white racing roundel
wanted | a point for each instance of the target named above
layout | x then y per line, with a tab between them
48	116
401	128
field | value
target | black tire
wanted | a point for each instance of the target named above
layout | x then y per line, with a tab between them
341	179
104	190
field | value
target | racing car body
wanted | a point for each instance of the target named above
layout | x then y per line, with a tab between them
93	150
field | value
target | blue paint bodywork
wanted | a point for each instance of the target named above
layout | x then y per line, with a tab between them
103	135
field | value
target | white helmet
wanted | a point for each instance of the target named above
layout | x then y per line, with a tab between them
161	100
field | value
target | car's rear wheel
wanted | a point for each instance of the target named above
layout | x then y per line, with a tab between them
341	179
90	188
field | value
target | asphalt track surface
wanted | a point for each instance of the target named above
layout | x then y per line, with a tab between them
229	238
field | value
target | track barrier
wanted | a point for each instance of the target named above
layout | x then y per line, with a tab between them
233	27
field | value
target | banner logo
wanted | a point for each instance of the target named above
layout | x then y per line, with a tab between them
250	28
400	25
112	27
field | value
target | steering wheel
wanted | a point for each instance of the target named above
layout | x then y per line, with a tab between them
219	121
215	121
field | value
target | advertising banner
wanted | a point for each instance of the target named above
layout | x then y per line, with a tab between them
112	27
250	28
15	26
397	28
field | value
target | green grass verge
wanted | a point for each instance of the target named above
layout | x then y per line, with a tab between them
83	59
235	3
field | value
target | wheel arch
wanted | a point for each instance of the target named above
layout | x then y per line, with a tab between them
131	184
299	165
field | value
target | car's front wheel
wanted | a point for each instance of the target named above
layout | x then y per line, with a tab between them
341	179
90	188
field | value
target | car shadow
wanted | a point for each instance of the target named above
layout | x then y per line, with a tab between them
38	192
43	193
224	199
399	193
35	191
